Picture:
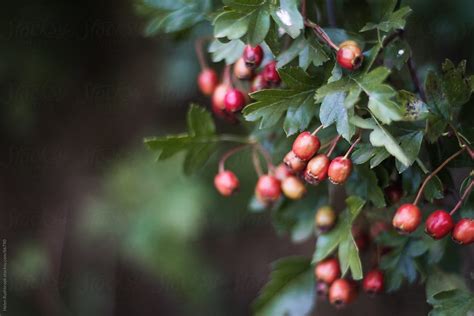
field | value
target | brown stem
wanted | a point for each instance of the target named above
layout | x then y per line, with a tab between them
463	197
256	162
352	147
226	76
228	154
200	55
268	158
321	33
334	143
317	130
432	174
303	9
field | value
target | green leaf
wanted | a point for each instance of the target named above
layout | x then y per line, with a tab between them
271	104
199	142
230	51
434	189
231	24
309	51
333	110
288	17
259	25
290	291
341	234
453	302
392	21
439	281
411	144
396	54
414	109
363	182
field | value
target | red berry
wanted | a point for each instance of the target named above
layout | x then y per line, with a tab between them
342	292
268	189
293	188
407	218
226	182
317	169
394	193
270	73
258	83
361	238
253	56
282	172
219	95
463	232
306	145
241	71
294	163
373	282
234	100
439	224
325	218
349	55
328	271
339	170
208	81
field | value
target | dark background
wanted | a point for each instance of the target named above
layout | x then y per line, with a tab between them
92	225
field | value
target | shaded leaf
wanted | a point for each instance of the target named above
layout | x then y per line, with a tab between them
230	51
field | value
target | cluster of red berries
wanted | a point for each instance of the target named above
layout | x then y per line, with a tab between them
228	100
349	55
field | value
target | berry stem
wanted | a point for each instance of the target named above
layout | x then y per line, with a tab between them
235	139
200	55
303	9
229	154
432	174
333	146
226	77
321	33
463	197
266	155
317	130
352	147
256	162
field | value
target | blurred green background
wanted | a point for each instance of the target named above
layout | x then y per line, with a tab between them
93	226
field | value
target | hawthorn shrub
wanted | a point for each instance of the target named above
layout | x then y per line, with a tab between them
349	110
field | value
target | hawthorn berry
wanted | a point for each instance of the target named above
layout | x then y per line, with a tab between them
373	282
207	81
349	55
463	232
293	188
219	95
317	169
282	172
306	145
394	193
234	100
268	189
361	238
342	292
293	162
253	56
439	224
328	271
325	218
258	83
407	218
241	71
339	170
226	182
270	74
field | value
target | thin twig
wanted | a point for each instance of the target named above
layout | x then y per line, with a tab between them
463	197
321	33
352	146
334	143
198	47
256	162
414	78
228	154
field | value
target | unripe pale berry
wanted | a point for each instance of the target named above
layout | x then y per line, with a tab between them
282	172
258	83
328	271
317	169
294	163
253	56
268	189
270	74
339	170
293	188
342	292
373	282
325	218
306	145
219	95
463	232
234	100
226	182
394	193
407	218
207	81
241	71
439	224
349	55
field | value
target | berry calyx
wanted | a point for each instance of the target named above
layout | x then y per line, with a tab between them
293	162
293	188
463	232
241	71
349	55
258	83
268	189
328	271
322	290
226	182
234	100
282	172
394	193
317	169
270	73
373	282
407	218
207	81
342	292
306	145
339	169
252	56
439	224
325	218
